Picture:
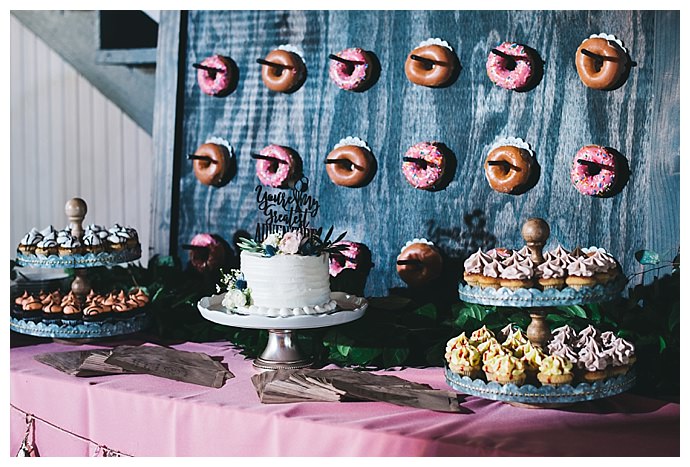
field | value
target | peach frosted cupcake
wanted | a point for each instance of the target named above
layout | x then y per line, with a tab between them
465	360
505	369
555	371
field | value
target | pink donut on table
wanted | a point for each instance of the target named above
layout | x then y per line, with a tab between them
594	171
355	256
351	77
428	172
215	83
514	74
273	173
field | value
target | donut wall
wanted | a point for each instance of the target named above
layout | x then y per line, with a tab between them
556	116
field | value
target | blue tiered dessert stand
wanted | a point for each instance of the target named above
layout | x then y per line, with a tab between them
536	232
76	209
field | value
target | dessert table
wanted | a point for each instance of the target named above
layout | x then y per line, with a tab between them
142	415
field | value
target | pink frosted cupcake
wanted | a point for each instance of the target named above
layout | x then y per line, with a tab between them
580	274
517	272
474	266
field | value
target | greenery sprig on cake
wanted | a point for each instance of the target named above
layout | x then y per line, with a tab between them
235	286
294	243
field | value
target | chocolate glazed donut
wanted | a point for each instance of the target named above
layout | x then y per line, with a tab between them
357	168
601	63
509	169
287	78
422	264
436	66
211	164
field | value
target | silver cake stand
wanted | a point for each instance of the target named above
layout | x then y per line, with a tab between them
281	350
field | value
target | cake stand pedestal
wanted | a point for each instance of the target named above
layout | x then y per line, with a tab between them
281	351
540	302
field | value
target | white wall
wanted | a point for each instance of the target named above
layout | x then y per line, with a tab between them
67	140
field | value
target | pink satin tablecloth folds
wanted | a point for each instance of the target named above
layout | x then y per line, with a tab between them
143	415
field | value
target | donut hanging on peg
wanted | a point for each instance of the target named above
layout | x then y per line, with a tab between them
432	64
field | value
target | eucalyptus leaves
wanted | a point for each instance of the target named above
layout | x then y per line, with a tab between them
294	243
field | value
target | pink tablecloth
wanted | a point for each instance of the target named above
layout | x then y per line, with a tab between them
142	415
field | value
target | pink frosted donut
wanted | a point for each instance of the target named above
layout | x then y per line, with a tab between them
273	173
351	78
427	174
355	256
598	177
506	74
216	83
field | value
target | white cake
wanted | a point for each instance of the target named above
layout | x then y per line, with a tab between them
286	285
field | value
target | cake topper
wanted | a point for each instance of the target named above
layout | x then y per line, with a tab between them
285	211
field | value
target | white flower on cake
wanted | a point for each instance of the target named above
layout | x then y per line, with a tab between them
290	243
234	298
272	240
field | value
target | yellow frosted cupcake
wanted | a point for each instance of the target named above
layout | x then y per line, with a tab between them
465	360
454	343
515	340
505	369
532	357
492	348
555	371
480	336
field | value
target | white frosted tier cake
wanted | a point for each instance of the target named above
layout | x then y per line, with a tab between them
286	285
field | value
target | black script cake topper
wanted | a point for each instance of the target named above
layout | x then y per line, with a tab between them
285	211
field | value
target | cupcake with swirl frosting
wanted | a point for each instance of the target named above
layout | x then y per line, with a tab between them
551	274
465	360
515	340
474	266
455	342
622	356
490	273
93	243
592	362
491	349
505	369
47	246
27	245
580	274
481	335
517	272
555	370
531	357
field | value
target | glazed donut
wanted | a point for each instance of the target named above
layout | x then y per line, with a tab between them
286	78
512	66
594	171
508	168
419	263
357	167
355	256
210	252
424	165
353	71
600	63
437	70
277	166
211	164
216	75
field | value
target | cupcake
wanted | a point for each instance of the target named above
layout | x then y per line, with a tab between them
515	340
551	274
587	334
484	346
47	246
27	245
117	240
505	369
562	344
566	334
19	301
71	246
493	349
531	358
499	254
592	362
93	243
480	336
52	308
455	342
580	274
490	272
133	237
622	355
465	360
71	310
517	272
63	235
474	265
32	308
555	371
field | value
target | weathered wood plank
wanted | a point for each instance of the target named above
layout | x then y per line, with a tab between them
557	117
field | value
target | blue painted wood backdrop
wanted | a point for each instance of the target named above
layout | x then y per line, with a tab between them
560	115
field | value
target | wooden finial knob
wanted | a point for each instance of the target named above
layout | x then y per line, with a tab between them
75	209
536	232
